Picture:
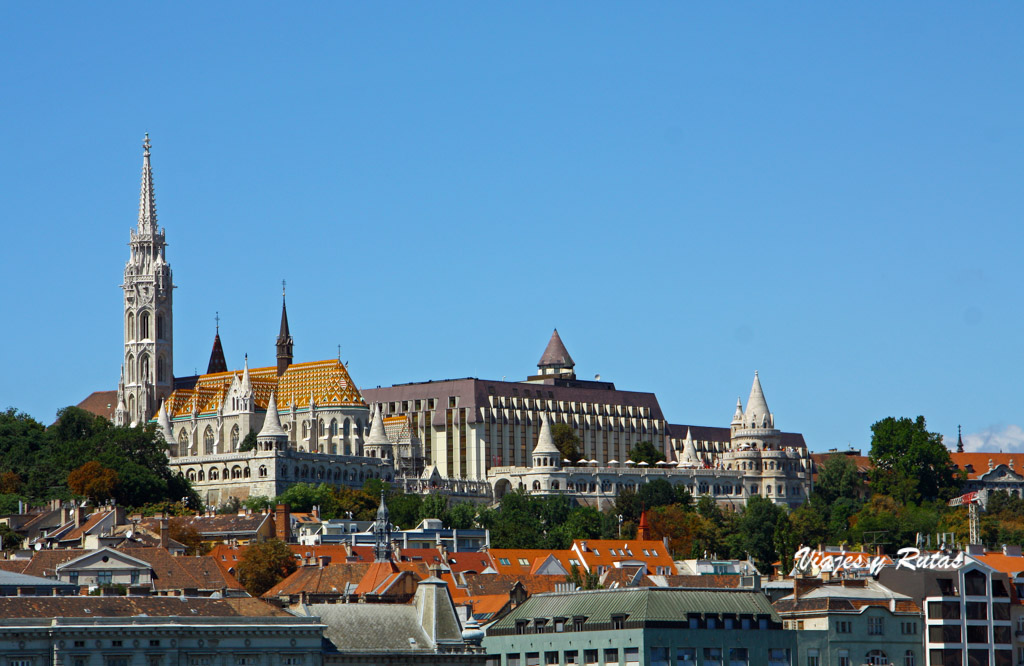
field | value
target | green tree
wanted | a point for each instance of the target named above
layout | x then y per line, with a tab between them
303	497
258	503
656	493
10	539
646	452
434	506
230	507
838	477
461	516
264	565
248	442
583	580
756	528
405	510
910	463
567	442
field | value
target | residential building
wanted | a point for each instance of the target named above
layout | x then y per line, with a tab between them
154	631
642	627
852	622
968	610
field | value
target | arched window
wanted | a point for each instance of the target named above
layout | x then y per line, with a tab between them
131	405
182	442
130	363
909	659
160	370
202	475
334	427
144	325
877	658
322	428
236	472
190	475
234	438
263	471
305	430
160	326
214	475
144	368
536	485
208	440
129	332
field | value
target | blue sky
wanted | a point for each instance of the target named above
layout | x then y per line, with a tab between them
689	192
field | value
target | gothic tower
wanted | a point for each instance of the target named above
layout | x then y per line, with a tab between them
148	332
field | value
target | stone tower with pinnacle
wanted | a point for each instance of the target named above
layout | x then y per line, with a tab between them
147	370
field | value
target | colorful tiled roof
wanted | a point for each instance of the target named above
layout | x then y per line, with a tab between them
327	382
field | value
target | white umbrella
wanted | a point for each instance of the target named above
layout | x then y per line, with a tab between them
642	463
630	462
613	462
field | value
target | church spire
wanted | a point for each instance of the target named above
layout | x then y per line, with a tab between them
147	199
757	414
217	361
284	338
382	533
556	360
959	441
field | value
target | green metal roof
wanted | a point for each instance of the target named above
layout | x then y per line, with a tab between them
640	604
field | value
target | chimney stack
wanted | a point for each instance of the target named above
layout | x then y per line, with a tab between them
164	533
283	522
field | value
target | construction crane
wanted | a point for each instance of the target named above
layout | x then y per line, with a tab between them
972	500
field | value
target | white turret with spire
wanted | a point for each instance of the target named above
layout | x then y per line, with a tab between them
546	454
377	444
272	435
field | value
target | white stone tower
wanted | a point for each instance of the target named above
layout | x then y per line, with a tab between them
148	331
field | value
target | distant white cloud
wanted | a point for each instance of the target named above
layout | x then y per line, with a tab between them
1005	438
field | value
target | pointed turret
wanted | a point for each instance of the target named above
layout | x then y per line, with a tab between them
555	360
546	454
217	362
737	416
272	429
246	379
284	339
164	423
757	414
690	450
377	443
147	198
643	530
959	441
121	411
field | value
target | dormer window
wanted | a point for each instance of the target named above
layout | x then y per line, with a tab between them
619	621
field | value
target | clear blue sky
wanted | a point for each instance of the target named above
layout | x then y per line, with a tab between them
688	191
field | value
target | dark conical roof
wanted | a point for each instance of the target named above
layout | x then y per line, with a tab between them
555	353
284	335
217	362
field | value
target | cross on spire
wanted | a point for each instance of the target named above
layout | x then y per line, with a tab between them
216	318
283	283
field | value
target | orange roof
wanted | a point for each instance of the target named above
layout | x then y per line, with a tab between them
1008	564
485	607
469	561
976	464
328	382
521	561
606	552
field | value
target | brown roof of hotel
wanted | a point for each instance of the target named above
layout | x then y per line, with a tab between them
555	353
473	394
480	585
229	523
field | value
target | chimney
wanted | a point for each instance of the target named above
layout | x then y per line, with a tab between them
324	560
78	516
316	512
879	551
1011	551
165	531
282	523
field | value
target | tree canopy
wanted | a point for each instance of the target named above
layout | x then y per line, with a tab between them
264	565
910	463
